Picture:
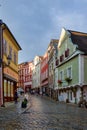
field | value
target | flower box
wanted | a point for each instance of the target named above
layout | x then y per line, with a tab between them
59	81
68	79
24	103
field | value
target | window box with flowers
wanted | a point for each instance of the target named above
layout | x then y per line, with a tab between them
68	79
59	81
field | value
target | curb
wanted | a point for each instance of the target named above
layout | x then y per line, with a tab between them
7	104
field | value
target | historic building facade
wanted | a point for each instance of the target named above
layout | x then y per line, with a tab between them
72	56
61	72
52	55
25	75
44	74
9	48
36	73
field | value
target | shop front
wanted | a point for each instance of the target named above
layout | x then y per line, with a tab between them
10	80
44	87
9	88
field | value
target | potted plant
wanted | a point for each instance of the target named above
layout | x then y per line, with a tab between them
59	81
24	103
68	79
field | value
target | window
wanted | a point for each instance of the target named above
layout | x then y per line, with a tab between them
69	72
61	75
57	62
10	52
70	95
61	58
4	46
15	58
67	53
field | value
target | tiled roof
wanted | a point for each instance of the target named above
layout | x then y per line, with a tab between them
80	39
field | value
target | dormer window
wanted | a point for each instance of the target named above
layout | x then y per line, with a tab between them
57	62
67	53
61	58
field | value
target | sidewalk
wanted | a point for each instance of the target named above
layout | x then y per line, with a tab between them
7	104
17	106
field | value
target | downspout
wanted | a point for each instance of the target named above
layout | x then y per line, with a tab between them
81	74
81	69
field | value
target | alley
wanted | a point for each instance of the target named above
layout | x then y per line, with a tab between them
44	114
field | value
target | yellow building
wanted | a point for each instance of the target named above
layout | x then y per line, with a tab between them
9	69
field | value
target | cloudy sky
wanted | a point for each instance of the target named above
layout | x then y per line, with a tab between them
35	22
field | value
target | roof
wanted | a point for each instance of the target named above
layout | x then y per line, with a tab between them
5	26
80	39
53	42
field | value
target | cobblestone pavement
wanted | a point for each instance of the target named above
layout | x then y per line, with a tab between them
44	114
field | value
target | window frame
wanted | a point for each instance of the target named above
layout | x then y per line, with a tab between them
61	75
69	73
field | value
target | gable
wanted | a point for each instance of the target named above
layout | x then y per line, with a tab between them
64	35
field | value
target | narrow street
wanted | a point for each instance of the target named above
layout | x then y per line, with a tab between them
44	114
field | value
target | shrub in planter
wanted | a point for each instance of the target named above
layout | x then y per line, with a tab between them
24	103
68	79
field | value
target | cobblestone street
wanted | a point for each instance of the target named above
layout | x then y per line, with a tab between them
43	114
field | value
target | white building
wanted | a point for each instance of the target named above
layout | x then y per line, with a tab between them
36	73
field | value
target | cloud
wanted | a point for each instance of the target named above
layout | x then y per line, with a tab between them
68	20
35	22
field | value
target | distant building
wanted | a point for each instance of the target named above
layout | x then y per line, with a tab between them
44	74
52	55
25	75
36	73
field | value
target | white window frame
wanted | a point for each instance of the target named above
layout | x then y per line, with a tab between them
61	75
69	75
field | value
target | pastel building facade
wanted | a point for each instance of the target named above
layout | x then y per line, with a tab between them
72	74
52	55
25	70
36	73
44	74
9	48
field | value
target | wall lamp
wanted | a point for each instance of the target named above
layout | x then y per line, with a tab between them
5	64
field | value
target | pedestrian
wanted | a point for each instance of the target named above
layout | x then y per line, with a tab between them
15	96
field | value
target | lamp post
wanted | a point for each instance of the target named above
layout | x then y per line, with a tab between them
2	65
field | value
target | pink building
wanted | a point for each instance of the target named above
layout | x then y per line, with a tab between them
44	74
